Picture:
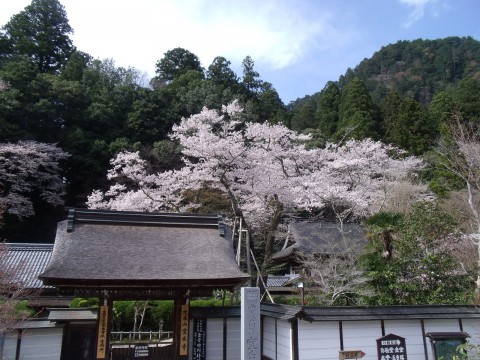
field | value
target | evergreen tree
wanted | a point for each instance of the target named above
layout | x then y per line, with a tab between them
251	78
220	73
175	63
326	114
441	108
41	33
412	130
467	97
304	115
417	265
390	108
357	113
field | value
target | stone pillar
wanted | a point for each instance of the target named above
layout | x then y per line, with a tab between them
250	324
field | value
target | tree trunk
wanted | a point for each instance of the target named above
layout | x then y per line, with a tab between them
277	216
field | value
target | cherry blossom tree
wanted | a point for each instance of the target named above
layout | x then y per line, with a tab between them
264	169
30	171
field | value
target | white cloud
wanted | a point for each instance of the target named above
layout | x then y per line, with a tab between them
276	33
418	8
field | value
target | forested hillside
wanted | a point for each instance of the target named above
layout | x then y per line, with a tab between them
419	69
402	89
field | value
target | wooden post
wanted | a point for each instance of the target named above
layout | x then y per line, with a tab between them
180	327
19	344
239	246
104	328
249	261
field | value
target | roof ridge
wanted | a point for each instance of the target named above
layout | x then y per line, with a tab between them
92	216
29	246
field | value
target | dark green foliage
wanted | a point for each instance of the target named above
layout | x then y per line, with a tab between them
390	112
410	260
175	63
410	128
467	99
440	180
148	119
326	114
290	300
418	68
40	33
304	115
270	106
441	75
220	73
251	78
158	313
357	114
86	303
212	201
442	108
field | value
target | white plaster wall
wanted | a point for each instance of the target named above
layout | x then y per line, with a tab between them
442	325
472	328
42	344
215	339
234	338
284	338
269	337
9	345
362	335
318	340
411	330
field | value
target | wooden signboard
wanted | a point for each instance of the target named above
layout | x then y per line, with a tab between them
102	332
391	347
350	354
184	331
199	351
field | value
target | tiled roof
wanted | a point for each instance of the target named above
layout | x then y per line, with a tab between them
338	313
279	281
27	261
322	237
215	312
72	314
95	248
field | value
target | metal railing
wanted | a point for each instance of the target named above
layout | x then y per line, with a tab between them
140	335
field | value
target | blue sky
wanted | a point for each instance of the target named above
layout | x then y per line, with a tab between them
297	45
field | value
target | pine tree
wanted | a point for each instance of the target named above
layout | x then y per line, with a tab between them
357	113
326	114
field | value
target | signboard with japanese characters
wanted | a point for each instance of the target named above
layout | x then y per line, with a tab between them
102	332
391	347
199	351
141	350
350	354
184	331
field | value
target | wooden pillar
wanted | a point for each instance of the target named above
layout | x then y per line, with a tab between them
104	325
180	326
19	344
295	349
